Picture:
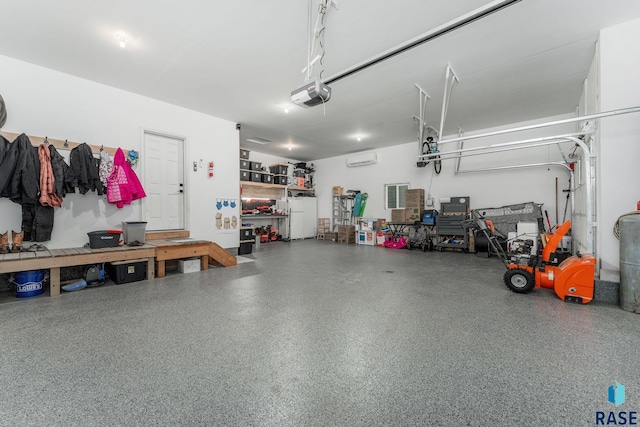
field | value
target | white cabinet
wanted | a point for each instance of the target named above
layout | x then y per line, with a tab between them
303	217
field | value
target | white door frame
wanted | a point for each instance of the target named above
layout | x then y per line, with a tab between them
186	194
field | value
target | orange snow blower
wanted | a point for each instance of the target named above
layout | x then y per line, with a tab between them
571	279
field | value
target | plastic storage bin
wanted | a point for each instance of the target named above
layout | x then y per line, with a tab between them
245	248
127	271
103	239
134	232
278	169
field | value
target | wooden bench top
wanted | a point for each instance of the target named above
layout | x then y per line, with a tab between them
161	243
28	260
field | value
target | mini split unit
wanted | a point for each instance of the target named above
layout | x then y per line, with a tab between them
362	159
312	93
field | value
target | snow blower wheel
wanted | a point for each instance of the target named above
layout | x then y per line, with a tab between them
519	281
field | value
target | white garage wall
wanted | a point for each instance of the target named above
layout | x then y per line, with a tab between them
619	153
43	102
489	189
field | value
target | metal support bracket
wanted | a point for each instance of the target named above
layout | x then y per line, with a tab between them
449	79
423	98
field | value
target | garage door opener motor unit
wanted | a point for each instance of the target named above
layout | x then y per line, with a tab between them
312	93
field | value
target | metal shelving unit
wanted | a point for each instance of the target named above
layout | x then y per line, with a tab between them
342	211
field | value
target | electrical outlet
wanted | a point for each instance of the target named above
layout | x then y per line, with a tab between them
195	166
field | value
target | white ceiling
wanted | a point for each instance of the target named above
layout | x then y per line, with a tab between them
239	60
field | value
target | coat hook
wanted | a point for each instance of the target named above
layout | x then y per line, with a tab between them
102	148
66	144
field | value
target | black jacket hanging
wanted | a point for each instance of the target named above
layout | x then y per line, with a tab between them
8	153
60	171
83	171
25	182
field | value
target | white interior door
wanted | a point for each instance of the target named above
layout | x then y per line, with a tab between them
163	182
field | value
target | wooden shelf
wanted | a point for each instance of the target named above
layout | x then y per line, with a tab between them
262	184
63	145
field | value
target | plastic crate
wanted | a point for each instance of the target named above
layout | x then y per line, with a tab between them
245	248
278	169
280	179
127	271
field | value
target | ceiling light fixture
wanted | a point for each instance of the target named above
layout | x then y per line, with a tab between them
450	26
257	140
122	40
286	111
359	138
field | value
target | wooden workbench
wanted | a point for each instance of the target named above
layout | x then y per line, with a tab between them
180	249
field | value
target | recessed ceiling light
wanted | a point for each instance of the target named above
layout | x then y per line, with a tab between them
290	147
286	111
359	138
122	40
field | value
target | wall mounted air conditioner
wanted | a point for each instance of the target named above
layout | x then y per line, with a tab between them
362	159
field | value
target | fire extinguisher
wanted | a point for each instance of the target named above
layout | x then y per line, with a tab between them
210	169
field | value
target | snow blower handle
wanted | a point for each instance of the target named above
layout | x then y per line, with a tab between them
546	214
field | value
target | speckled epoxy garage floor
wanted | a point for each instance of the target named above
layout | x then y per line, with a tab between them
316	333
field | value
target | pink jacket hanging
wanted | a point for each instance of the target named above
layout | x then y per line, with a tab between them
123	186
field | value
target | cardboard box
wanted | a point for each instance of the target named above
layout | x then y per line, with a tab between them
338	191
397	215
414	198
346	229
412	214
347	238
191	265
